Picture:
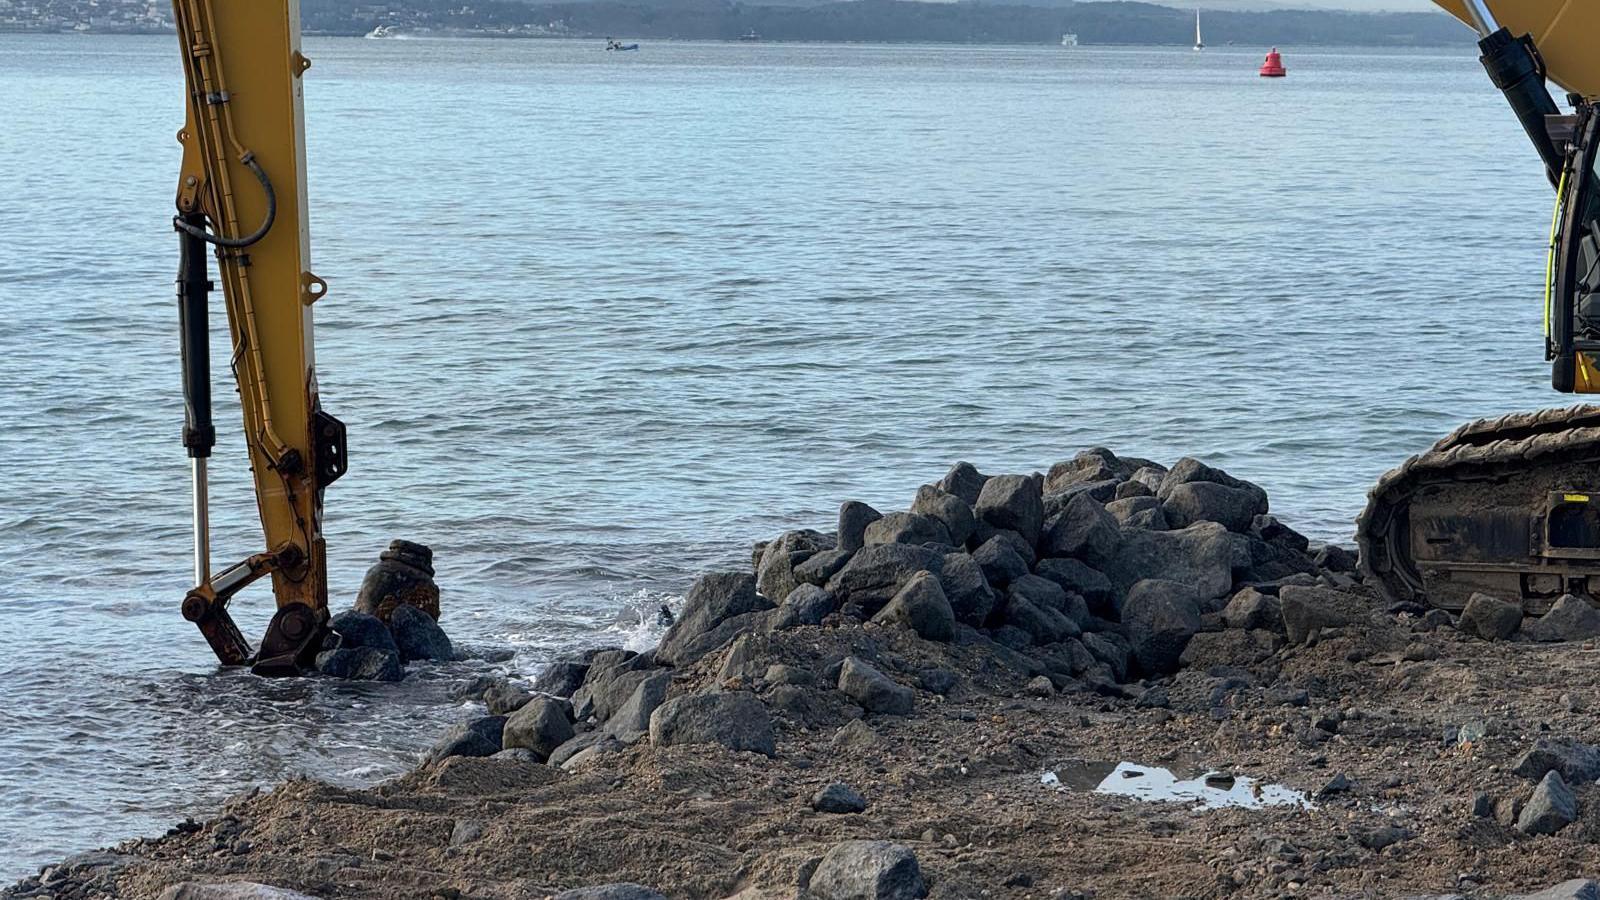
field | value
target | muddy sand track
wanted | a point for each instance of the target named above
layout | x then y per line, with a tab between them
1414	754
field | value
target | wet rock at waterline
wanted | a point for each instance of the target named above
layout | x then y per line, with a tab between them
402	576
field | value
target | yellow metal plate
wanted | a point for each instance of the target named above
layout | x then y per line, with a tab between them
1565	31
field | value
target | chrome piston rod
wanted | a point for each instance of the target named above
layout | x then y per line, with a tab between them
1482	17
202	520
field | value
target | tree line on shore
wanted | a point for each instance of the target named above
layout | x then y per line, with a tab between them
1009	22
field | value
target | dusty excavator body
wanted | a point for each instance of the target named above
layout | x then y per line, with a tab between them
1511	506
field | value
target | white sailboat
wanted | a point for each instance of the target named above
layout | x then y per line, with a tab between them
1198	44
1069	40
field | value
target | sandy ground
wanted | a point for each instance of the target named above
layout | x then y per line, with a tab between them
959	782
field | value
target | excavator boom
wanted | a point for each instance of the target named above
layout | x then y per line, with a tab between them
242	197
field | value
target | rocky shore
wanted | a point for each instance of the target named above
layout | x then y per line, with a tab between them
1111	679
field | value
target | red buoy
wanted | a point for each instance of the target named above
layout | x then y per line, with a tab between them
1273	67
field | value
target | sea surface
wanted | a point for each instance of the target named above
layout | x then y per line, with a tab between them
597	321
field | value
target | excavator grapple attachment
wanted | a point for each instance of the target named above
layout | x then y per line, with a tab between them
293	639
1508	506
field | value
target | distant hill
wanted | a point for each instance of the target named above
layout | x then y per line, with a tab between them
967	22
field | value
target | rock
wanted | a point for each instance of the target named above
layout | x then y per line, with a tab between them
874	691
1150	476
1234	648
1576	889
361	664
713	600
966	588
568	750
1380	836
876	573
504	698
1083	530
733	719
1138	512
418	636
937	681
999	562
906	528
1433	620
1111	650
1490	618
922	607
1338	784
631	723
1092	465
838	798
1201	556
1128	489
480	737
1205	501
821	566
1012	502
1335	558
1569	619
1307	610
1076	577
229	890
855	735
854	517
521	755
805	605
778	673
1577	762
1041	686
619	891
1161	617
541	726
561	678
465	831
359	629
868	870
954	513
964	481
1189	470
1041	624
1251	609
1552	807
775	573
605	746
1099	491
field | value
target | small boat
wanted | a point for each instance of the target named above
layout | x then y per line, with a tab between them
1273	67
380	31
750	36
1198	43
617	45
1069	40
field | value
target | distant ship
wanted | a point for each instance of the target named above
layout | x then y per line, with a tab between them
1069	40
750	36
382	31
1198	44
618	45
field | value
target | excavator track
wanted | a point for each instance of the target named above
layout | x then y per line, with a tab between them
1500	506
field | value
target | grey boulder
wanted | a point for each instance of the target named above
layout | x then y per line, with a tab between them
1160	617
359	629
619	891
631	723
854	517
906	528
734	719
1012	502
874	691
1206	501
838	798
1552	807
964	481
713	600
1083	530
540	726
561	678
1490	618
230	890
1569	619
361	664
966	587
1251	609
868	870
1202	556
418	636
921	606
876	573
954	513
805	605
480	737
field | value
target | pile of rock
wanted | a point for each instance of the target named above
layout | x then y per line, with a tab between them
363	647
1100	572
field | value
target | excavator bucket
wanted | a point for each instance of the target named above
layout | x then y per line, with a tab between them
1564	31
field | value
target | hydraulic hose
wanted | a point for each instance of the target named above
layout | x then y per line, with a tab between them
249	159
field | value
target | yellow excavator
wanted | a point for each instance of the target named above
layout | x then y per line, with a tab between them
1511	506
242	197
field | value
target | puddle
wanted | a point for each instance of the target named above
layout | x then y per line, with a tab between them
1201	790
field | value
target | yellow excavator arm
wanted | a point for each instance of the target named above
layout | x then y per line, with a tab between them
242	198
1563	30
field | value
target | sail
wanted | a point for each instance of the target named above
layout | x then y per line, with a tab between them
1564	31
1197	42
